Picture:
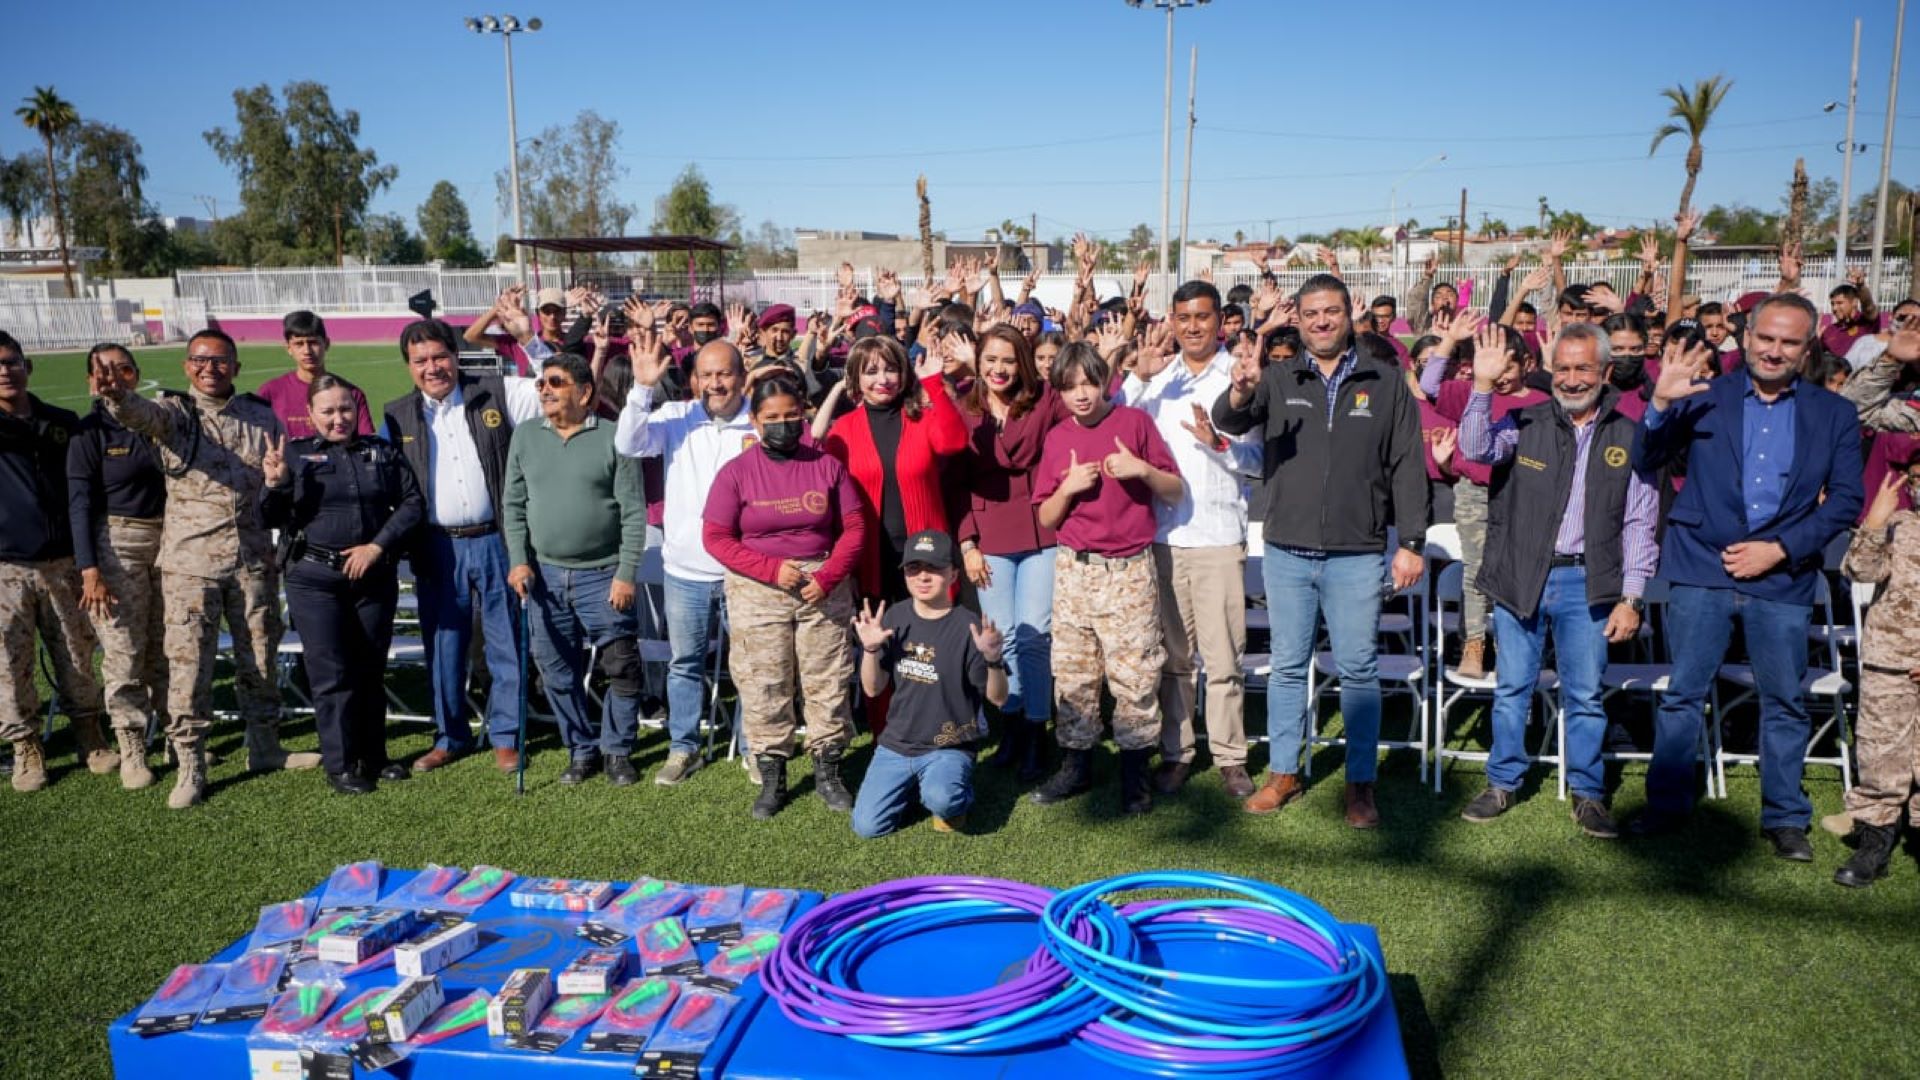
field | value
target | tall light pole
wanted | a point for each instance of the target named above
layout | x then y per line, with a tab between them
1846	169
1886	155
1166	127
507	26
1393	202
1186	184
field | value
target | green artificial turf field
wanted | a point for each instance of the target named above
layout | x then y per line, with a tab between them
61	378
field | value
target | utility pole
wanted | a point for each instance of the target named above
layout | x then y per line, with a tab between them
1846	168
1886	155
1460	248
1166	152
1186	197
339	253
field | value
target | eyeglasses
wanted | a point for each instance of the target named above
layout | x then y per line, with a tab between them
207	361
10	362
553	382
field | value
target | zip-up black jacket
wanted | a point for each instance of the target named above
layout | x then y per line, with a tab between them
1335	485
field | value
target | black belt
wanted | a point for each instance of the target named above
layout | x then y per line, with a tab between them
465	532
1568	560
1093	558
324	556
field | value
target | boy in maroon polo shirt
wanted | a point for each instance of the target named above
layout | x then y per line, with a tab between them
1095	487
307	344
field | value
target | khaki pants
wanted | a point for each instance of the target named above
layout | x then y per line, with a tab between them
777	638
41	601
248	600
1203	610
1106	623
1886	741
131	664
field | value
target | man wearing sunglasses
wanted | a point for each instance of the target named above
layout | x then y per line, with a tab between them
216	556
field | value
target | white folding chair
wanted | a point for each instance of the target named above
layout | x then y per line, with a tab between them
1401	674
1253	577
1452	687
1654	678
1829	683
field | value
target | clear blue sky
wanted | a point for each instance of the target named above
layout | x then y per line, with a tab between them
819	115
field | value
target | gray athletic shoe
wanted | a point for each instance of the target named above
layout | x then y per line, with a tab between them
680	765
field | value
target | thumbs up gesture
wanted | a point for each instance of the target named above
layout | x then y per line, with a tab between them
1080	476
1123	465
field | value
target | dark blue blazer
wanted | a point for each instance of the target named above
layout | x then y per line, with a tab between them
1705	433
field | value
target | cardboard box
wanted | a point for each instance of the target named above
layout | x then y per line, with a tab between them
412	959
368	935
596	971
398	1015
517	1007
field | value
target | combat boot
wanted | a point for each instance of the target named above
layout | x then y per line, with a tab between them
773	786
134	773
1473	659
94	750
1136	786
29	764
1014	737
826	781
1033	753
190	782
1074	778
265	754
1869	862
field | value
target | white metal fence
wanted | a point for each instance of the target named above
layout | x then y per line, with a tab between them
40	324
373	290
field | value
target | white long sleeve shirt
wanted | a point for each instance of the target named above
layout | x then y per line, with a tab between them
459	483
1213	512
694	446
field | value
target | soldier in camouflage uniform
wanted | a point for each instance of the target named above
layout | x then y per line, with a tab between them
216	557
39	588
1886	736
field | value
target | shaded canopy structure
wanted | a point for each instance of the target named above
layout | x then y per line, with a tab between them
572	246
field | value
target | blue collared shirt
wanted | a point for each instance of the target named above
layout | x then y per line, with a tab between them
1767	440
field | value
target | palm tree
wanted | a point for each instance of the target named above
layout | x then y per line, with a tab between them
1690	111
1367	241
51	115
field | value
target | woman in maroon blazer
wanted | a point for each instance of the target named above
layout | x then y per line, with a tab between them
1008	553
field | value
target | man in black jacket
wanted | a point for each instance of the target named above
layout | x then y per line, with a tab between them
1343	460
1570	549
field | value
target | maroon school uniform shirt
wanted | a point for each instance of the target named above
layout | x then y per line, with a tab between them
1432	423
991	483
1115	518
1839	336
288	396
762	511
1453	403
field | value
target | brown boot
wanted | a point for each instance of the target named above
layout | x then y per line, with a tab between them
265	754
190	782
99	757
134	773
29	764
1473	659
1279	790
1361	813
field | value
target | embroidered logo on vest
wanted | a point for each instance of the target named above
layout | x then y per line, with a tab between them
491	417
1616	456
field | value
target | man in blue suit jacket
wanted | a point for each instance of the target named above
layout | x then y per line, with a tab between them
1773	475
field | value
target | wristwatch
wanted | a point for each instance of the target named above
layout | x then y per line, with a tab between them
1418	547
1638	605
997	665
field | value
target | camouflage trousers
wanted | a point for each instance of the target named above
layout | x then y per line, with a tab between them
248	600
40	601
776	638
1470	515
1886	743
1106	624
132	666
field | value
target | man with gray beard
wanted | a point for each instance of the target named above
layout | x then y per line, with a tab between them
1570	548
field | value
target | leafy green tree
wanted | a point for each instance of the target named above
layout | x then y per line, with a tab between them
688	209
106	203
569	181
23	190
384	240
50	116
446	232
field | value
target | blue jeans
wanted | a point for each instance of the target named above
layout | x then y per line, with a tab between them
1700	624
570	612
1020	603
691	609
455	571
1580	647
1346	589
945	778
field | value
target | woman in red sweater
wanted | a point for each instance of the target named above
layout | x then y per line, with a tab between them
904	422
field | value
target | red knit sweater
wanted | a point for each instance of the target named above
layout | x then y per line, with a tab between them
939	432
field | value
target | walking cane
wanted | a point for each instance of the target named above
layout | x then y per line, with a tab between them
520	770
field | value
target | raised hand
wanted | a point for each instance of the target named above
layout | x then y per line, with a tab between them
1142	270
1205	273
843	275
1246	376
1202	427
513	313
1601	295
1110	339
1284	314
1903	340
1537	278
990	263
1265	299
273	463
1462	325
1079	477
1886	502
1683	372
960	354
648	353
1029	283
1491	356
931	361
1359	311
1330	260
886	286
1649	251
987	640
1512	264
1856	277
971	267
956	279
740	320
866	626
1444	444
1684	225
1790	262
1430	267
1123	463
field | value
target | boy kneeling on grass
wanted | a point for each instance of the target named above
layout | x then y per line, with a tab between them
943	660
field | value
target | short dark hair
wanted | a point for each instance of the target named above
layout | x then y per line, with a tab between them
106	347
425	330
1324	283
8	343
1711	307
1196	290
1527	308
1825	366
777	384
303	324
1240	294
1573	296
705	311
677	305
1846	289
1384	301
327	382
574	365
212	334
1625	320
1377	348
1080	357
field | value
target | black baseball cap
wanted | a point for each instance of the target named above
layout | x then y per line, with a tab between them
931	547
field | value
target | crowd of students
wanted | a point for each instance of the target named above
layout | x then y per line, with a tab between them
969	506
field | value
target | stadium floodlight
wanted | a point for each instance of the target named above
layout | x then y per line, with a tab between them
507	26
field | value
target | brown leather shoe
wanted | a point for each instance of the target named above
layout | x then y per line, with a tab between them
1171	776
434	759
506	758
1235	779
1280	789
1361	813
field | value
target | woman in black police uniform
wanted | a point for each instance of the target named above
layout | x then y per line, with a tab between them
345	504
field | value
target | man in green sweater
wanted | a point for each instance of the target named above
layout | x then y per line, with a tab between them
576	524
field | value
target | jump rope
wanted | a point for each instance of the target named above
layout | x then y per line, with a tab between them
1094	978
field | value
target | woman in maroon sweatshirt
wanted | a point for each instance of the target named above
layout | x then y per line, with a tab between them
785	520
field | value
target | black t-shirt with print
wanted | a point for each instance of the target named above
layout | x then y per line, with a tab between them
939	681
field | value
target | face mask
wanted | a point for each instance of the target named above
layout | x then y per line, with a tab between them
781	438
701	337
1628	371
